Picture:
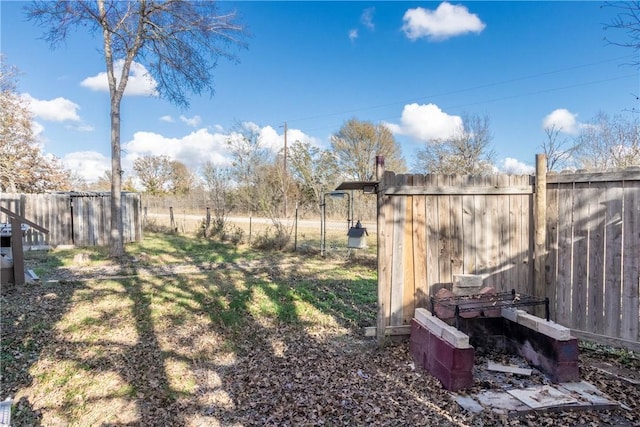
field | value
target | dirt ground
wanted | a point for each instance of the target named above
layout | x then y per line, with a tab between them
278	374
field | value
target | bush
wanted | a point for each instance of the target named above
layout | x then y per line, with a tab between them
273	238
152	226
221	230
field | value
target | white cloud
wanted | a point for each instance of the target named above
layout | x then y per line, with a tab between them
563	120
192	149
425	122
139	81
81	128
193	121
167	119
367	18
446	21
516	167
202	145
88	164
353	34
55	110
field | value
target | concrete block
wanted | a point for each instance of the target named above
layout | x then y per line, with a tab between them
466	284
529	320
421	315
433	324
553	330
455	337
510	314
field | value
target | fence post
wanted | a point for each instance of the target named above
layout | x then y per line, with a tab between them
540	224
172	220
383	286
295	238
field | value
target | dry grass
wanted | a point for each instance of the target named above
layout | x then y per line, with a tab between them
197	333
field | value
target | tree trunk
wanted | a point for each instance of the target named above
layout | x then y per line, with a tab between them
116	242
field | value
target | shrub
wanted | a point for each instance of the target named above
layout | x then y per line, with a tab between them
273	238
152	226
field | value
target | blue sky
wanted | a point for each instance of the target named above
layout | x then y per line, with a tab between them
416	66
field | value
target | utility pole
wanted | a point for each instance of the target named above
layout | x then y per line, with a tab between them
285	174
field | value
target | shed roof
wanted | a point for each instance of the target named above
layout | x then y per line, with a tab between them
357	185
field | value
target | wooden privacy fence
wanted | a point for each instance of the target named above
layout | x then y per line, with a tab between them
593	262
81	219
431	227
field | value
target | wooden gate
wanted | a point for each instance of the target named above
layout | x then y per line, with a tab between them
431	227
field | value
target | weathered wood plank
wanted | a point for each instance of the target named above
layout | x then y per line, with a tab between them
456	244
501	279
445	235
420	247
397	264
631	262
469	216
458	190
480	230
580	256
372	331
565	248
409	282
625	175
551	272
607	340
433	238
489	259
385	241
596	257
613	258
515	238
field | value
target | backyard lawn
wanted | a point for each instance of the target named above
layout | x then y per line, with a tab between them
191	332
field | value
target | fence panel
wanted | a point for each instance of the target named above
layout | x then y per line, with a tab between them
594	240
437	226
82	219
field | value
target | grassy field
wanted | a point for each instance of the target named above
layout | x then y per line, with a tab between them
193	332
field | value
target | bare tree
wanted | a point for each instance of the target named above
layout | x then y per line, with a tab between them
558	151
628	21
314	171
181	178
178	41
467	151
609	142
23	165
217	182
249	155
154	173
356	146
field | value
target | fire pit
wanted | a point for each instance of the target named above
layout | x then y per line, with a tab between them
484	304
442	340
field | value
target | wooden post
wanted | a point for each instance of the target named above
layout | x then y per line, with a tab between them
383	294
16	243
172	220
540	227
18	253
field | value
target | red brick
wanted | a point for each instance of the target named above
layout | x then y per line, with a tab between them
565	372
419	343
449	356
566	351
452	380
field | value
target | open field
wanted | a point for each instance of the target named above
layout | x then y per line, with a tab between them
191	332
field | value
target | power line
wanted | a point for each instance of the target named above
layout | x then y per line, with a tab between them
489	100
469	89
